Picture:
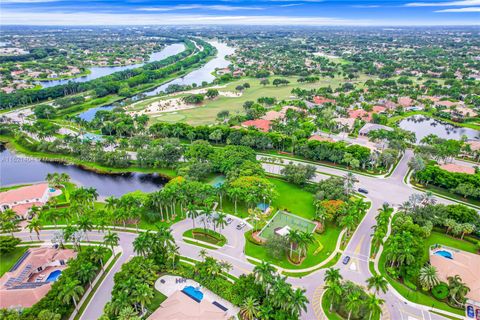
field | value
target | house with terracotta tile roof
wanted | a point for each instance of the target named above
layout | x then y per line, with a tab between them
22	199
322	100
450	262
180	306
31	277
457	168
360	114
405	102
260	124
317	137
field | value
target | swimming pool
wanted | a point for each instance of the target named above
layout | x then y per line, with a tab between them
193	293
52	190
444	254
53	276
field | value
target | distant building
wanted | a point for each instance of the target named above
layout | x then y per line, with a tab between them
317	137
22	199
345	123
322	100
453	167
367	128
30	279
260	124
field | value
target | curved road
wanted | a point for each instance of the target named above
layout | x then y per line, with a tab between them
391	189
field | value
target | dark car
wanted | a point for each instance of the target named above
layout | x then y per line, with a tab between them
346	259
362	190
229	220
241	226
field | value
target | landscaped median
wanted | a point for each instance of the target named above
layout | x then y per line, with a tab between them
205	238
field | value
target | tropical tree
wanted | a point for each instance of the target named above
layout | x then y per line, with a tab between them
221	221
333	292
264	274
86	272
143	294
378	283
373	305
111	239
349	183
428	277
249	309
457	290
353	303
332	275
35	225
71	291
298	302
85	224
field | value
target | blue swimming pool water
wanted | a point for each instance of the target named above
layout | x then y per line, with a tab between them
53	276
193	293
444	253
52	190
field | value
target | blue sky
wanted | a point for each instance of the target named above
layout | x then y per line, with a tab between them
239	12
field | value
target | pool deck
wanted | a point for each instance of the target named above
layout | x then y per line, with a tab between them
169	287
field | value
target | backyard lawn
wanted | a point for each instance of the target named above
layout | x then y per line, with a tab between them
7	260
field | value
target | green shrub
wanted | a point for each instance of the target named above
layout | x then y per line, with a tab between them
409	284
440	291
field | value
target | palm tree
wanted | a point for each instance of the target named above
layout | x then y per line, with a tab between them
143	243
353	303
306	238
294	237
298	301
234	193
378	282
428	277
85	224
111	239
332	275
143	295
71	291
264	274
374	305
457	289
192	213
97	255
221	221
35	225
349	183
249	309
86	272
333	292
203	254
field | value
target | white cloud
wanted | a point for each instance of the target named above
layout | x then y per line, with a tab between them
469	9
444	4
199	6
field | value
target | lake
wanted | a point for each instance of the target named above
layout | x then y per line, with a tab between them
423	126
16	169
97	72
197	76
202	74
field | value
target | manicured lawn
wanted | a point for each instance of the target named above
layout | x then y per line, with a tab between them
328	240
290	198
206	235
157	300
7	260
207	113
326	309
419	296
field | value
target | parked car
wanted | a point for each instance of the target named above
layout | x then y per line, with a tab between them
241	226
229	220
362	190
346	260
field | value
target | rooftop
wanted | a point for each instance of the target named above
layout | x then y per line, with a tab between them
179	306
261	124
34	191
464	264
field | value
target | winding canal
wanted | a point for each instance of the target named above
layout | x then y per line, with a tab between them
97	72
